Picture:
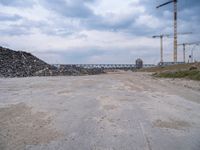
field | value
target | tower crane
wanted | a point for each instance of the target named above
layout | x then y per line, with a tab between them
161	41
161	44
184	47
175	25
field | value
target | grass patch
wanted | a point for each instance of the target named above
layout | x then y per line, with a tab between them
186	66
189	74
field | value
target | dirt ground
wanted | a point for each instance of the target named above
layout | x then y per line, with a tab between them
114	111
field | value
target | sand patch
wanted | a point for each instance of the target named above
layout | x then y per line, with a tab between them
19	127
171	124
64	93
108	103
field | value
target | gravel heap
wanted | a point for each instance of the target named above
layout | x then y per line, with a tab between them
23	64
20	64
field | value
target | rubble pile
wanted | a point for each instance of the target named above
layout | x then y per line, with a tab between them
23	64
20	64
75	71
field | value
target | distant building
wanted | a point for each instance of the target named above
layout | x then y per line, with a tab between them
139	63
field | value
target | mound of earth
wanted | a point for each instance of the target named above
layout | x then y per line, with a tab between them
23	64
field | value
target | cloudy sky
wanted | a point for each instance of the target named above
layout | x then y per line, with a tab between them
96	31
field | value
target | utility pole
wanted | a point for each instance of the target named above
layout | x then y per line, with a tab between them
161	41
184	47
175	25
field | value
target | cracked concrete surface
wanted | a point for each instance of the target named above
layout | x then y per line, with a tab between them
124	110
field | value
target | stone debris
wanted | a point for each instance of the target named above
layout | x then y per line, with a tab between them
23	64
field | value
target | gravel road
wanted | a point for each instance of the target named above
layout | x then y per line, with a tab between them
114	111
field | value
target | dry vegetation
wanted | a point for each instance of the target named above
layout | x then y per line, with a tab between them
189	71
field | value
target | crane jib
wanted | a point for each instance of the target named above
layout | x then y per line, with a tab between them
166	3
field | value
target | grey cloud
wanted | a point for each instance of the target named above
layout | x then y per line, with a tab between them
78	9
102	23
72	8
8	17
56	31
55	27
18	3
58	28
14	31
20	28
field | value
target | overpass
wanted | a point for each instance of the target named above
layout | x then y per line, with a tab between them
104	66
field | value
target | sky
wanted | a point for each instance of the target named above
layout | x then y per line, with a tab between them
97	31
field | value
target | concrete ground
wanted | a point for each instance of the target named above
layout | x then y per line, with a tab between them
116	111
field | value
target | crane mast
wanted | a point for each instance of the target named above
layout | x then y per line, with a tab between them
175	30
175	26
161	51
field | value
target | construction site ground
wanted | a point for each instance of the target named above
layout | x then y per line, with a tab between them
114	111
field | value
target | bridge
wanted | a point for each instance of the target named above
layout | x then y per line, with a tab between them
104	66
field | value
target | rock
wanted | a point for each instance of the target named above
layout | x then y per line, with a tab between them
193	68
